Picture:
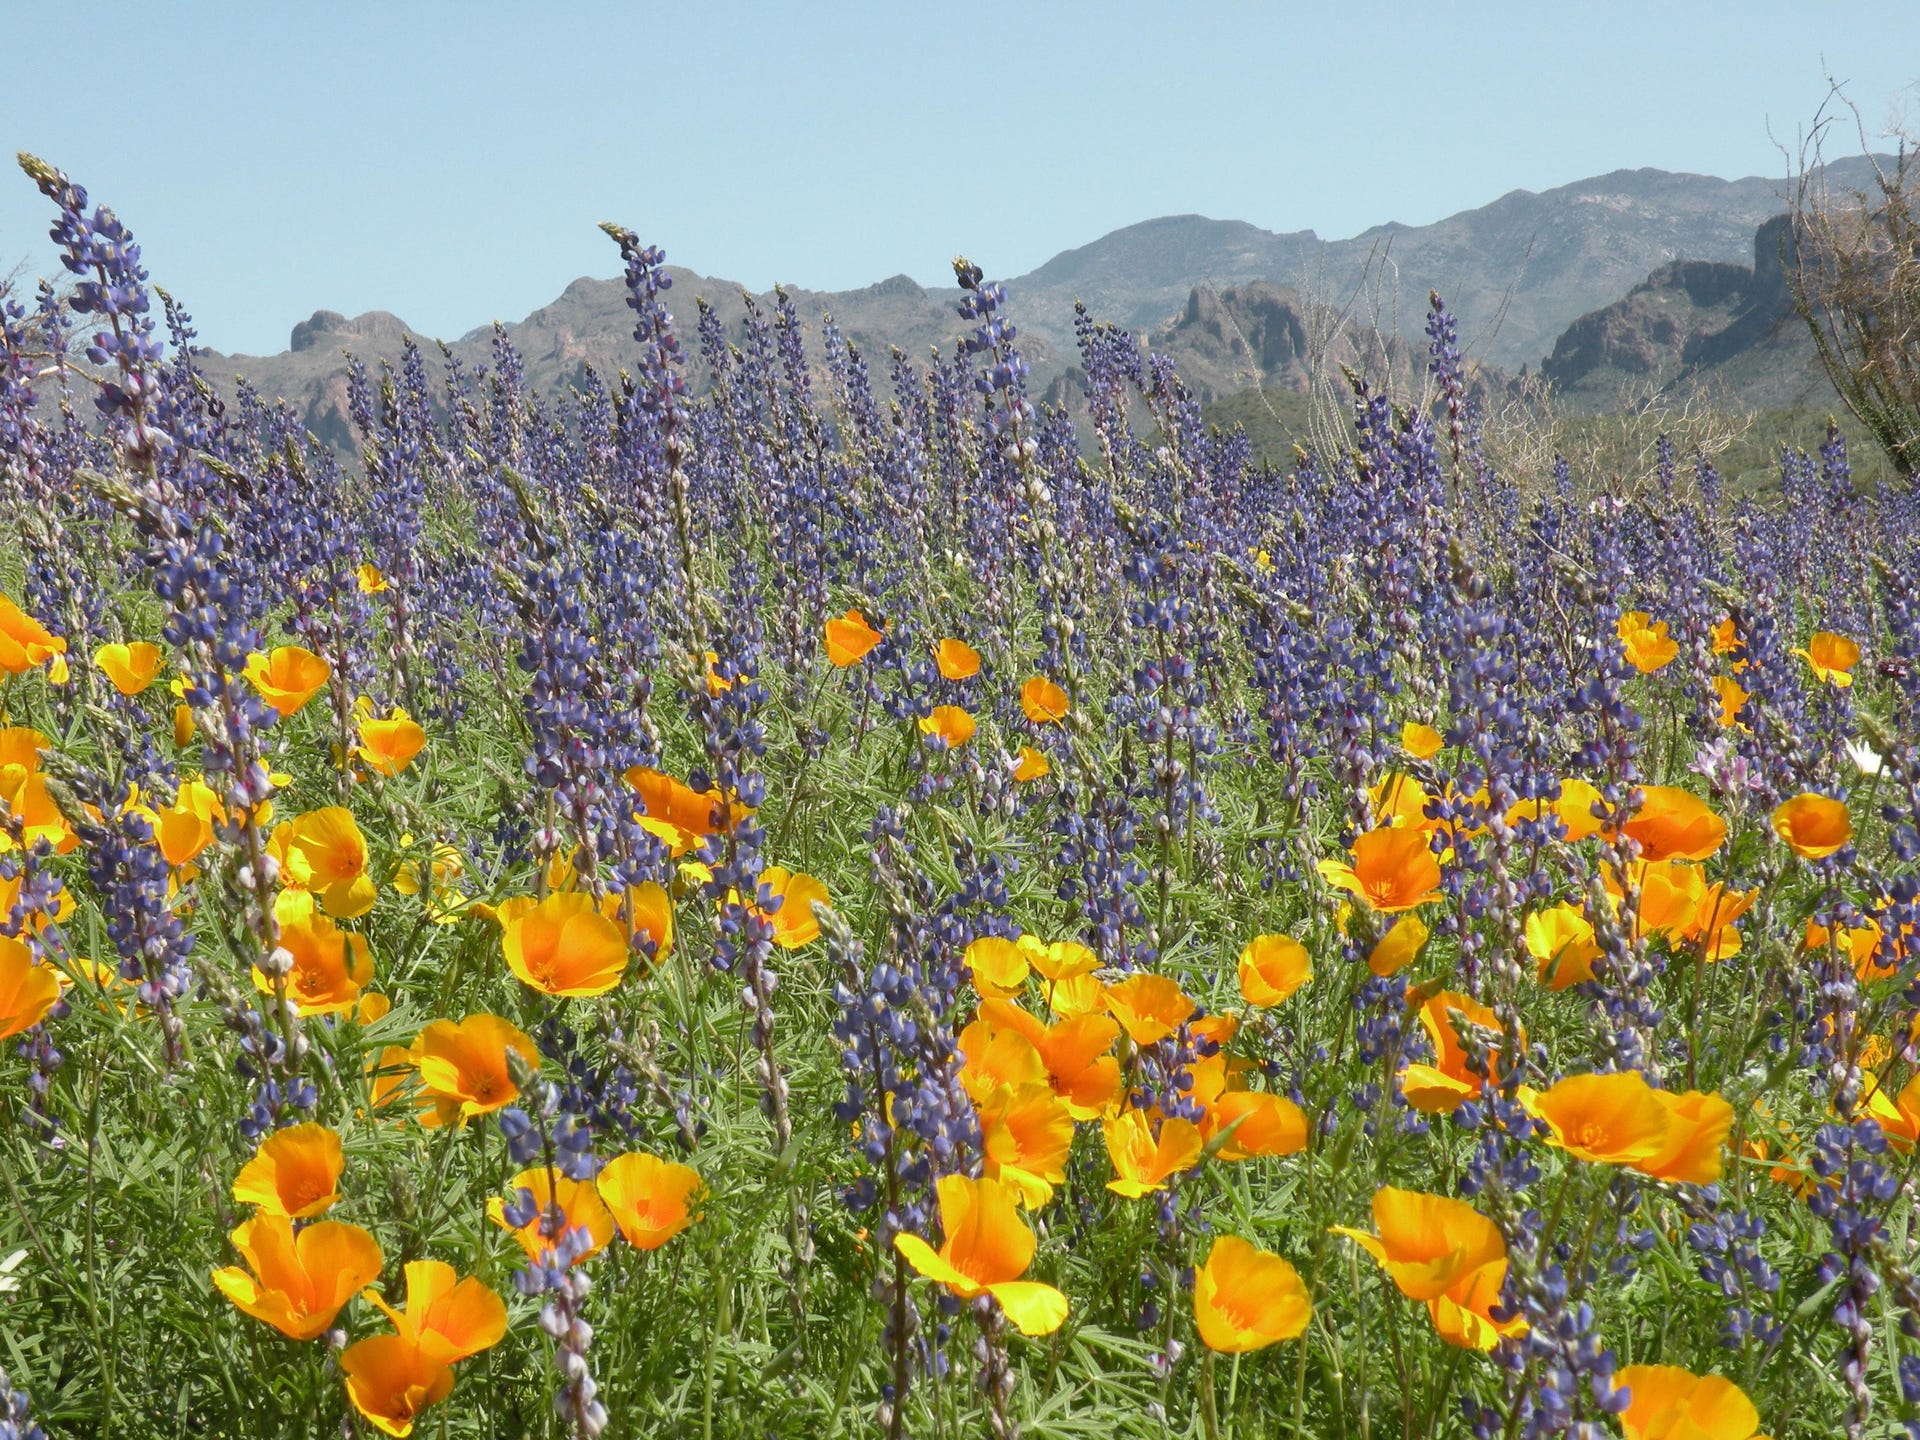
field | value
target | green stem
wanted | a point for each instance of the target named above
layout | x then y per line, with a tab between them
101	1341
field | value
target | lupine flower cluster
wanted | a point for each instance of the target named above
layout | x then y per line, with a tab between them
790	890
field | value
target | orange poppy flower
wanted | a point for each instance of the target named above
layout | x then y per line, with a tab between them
368	578
565	946
1272	967
998	966
1079	1068
1694	1152
1217	1030
1143	1162
1614	1119
129	668
1254	1123
1442	1087
717	684
645	909
330	967
27	990
1148	1007
987	1247
1645	641
288	677
1072	1055
390	1380
463	1067
1713	922
389	1075
651	1199
957	659
581	1208
25	644
1673	824
1446	1253
1732	700
794	923
435	882
849	638
951	725
1671	893
20	749
1670	896
1399	947
327	854
1059	959
1044	702
1767	1136
1391	870
1561	939
1081	995
1427	1243
1832	658
1025	1135
185	828
1422	742
1573	809
694	813
1726	637
996	1057
297	1283
449	1318
1814	826
1032	765
1464	1315
35	918
24	796
295	1172
1665	1402
1400	801
389	746
1861	946
1898	1116
1246	1298
1215	1077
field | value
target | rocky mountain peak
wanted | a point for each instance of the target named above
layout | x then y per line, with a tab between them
331	328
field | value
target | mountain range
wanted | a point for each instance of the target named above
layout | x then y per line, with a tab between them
1536	280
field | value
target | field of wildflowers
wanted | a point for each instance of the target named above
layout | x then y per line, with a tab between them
789	905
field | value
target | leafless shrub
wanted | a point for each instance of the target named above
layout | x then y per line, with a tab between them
1854	265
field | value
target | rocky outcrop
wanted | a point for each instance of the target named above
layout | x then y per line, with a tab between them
329	328
1731	330
1262	336
1648	329
1263	323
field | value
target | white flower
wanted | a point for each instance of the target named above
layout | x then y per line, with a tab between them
8	1280
1865	758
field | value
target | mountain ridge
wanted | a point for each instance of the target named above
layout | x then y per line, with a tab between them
1516	273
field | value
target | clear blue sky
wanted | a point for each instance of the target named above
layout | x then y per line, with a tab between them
449	161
